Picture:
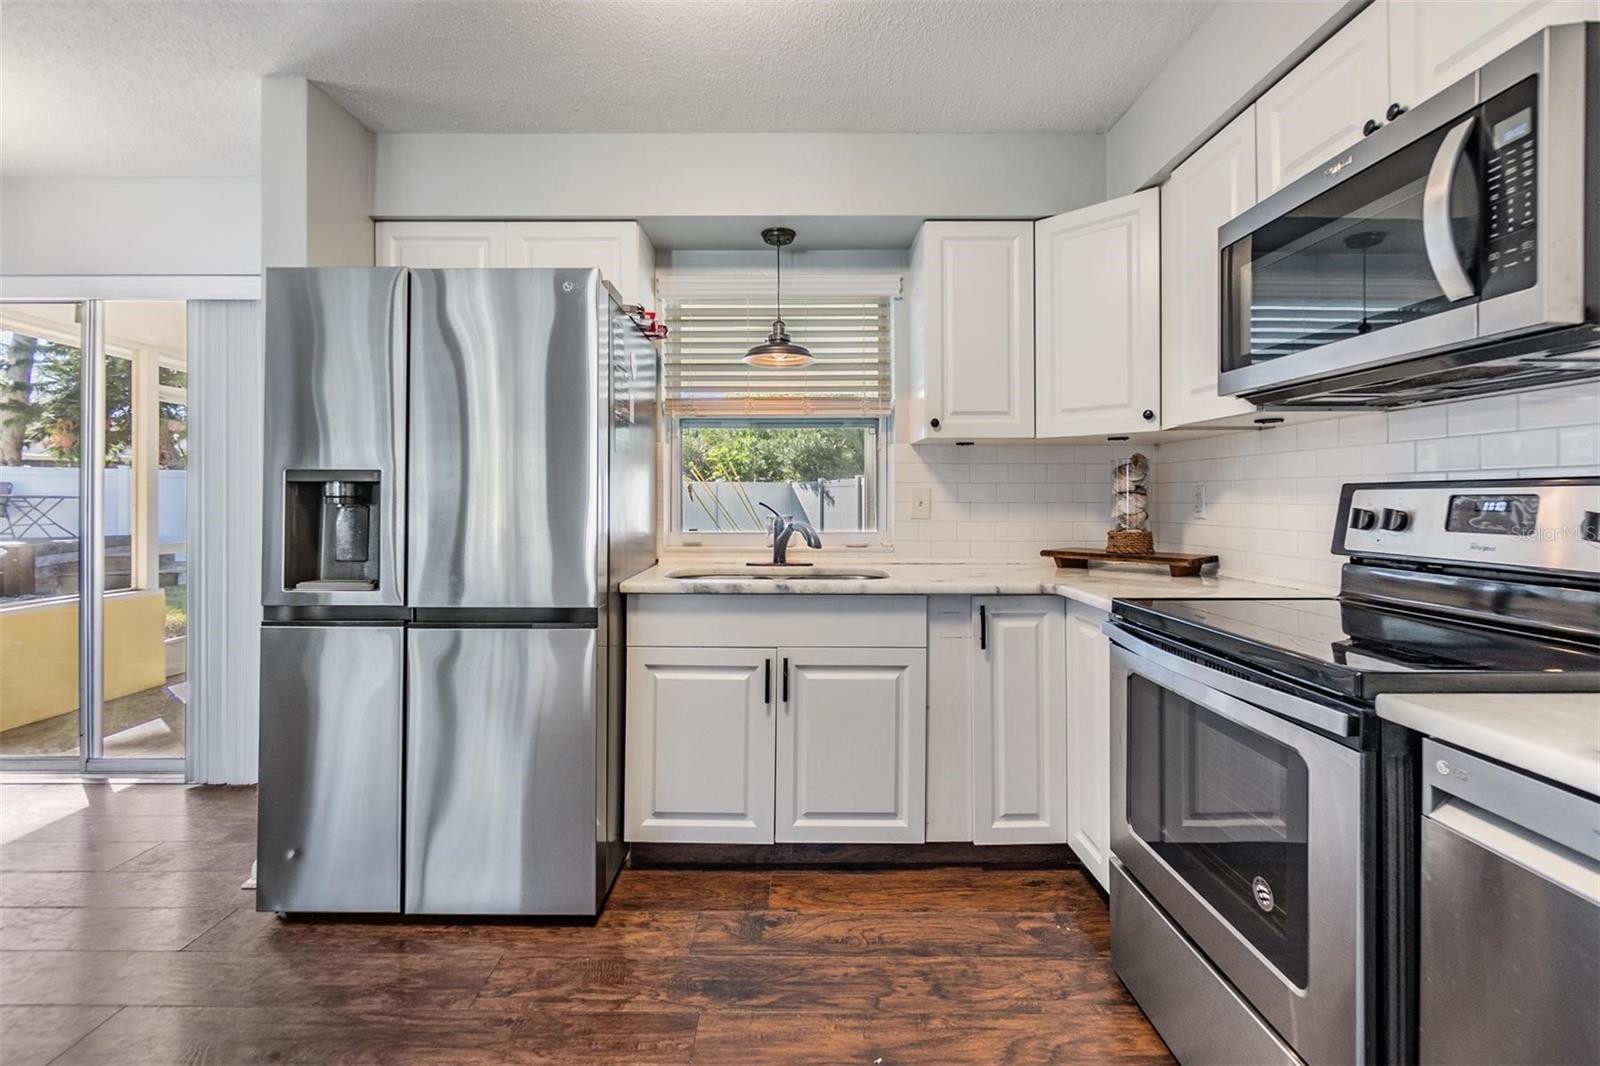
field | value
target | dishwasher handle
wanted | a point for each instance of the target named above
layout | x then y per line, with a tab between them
1457	783
1520	847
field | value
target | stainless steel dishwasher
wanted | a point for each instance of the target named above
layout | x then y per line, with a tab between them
1510	943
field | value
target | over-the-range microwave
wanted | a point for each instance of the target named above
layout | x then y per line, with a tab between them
1454	252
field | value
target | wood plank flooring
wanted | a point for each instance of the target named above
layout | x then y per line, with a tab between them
125	938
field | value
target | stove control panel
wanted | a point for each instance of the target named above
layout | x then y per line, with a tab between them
1529	523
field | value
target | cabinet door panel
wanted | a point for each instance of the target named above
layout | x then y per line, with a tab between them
852	748
976	296
1019	790
1207	190
1432	44
1089	741
441	245
1097	318
620	250
700	745
1321	107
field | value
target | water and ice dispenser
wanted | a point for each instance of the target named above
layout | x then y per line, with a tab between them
331	523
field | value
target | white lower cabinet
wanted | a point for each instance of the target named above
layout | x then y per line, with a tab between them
776	742
1089	740
1019	703
700	736
852	745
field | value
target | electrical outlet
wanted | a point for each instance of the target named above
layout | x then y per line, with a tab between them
1199	508
921	501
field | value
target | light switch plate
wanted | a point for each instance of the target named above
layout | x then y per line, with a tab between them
921	501
1199	510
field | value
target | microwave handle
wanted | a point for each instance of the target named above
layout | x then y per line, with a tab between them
1436	232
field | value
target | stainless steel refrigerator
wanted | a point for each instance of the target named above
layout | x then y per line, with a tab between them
460	470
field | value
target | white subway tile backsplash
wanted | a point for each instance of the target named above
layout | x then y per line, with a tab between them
1449	453
1273	496
1416	423
1578	446
1573	405
1364	429
1529	447
1488	415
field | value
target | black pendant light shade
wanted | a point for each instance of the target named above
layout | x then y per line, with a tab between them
778	352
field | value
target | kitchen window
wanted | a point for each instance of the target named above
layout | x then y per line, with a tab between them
809	441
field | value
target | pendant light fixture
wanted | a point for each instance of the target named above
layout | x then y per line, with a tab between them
778	352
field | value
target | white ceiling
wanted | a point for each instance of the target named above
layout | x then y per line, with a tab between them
101	88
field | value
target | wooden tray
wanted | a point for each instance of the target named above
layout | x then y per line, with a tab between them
1178	564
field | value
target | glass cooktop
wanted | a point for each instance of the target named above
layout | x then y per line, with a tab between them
1357	650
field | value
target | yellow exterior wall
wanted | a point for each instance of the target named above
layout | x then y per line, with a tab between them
39	654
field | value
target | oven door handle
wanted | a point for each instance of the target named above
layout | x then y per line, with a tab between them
1159	666
1437	234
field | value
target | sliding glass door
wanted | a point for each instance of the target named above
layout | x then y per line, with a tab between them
93	535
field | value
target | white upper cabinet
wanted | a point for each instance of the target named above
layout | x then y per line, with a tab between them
1322	106
1019	710
440	245
1433	44
1097	318
972	327
1207	190
621	250
852	745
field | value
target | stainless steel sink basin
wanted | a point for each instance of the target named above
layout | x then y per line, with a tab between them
777	573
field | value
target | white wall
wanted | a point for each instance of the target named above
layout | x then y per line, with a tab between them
1271	495
316	179
715	175
115	226
1243	47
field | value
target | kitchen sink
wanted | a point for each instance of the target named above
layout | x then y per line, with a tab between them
776	573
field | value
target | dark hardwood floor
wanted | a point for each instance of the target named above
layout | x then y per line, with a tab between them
125	938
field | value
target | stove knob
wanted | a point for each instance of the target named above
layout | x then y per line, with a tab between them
1589	529
1361	518
1395	521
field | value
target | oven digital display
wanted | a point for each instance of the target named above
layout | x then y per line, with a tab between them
1511	516
1513	128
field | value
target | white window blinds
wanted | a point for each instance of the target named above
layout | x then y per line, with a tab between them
844	321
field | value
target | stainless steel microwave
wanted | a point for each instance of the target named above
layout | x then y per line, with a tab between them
1454	252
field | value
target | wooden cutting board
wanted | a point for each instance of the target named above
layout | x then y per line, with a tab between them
1177	563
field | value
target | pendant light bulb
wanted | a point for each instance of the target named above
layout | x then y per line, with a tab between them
778	351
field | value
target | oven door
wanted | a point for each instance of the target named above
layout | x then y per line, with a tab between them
1245	824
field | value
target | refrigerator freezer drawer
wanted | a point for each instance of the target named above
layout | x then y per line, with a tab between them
331	712
500	772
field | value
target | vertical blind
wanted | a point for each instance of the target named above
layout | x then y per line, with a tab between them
848	335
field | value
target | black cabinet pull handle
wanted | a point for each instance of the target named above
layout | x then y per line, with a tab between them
1396	109
785	679
1149	415
983	628
766	682
1370	128
934	422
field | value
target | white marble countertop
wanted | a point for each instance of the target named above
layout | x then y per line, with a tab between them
1555	735
1096	586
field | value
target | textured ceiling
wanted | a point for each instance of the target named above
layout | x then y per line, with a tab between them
150	89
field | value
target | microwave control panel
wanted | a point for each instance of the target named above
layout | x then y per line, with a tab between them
1510	191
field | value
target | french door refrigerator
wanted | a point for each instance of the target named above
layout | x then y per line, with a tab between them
459	473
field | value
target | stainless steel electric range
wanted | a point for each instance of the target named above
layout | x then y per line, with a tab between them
1264	819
